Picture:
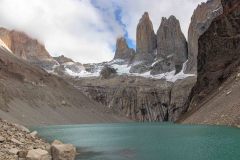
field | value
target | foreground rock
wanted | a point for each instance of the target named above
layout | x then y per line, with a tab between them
38	154
62	151
18	144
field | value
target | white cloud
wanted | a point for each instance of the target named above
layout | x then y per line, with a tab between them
83	31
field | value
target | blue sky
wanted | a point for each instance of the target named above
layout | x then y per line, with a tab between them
86	30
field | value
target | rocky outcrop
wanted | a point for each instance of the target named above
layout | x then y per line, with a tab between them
23	46
38	154
162	100
219	50
200	22
107	72
27	48
171	45
62	151
16	142
146	40
123	51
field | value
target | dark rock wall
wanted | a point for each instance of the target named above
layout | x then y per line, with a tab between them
219	51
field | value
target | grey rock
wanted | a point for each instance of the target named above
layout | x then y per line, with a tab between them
34	134
171	42
179	97
13	151
63	151
2	139
140	67
126	95
163	66
38	154
107	72
16	141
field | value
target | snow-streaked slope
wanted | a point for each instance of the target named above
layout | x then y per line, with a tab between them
4	46
123	68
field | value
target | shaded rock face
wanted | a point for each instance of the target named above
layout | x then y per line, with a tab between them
200	22
23	46
163	66
171	42
146	39
219	50
123	51
107	72
163	101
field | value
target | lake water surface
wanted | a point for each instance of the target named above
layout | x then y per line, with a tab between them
148	141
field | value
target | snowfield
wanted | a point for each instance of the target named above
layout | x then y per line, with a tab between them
124	69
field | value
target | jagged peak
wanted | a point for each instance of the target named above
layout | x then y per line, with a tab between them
122	49
145	17
170	21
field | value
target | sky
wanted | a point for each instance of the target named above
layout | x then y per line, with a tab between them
86	30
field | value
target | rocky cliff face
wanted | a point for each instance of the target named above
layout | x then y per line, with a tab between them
27	48
162	100
123	51
146	39
200	22
23	46
171	46
215	97
219	50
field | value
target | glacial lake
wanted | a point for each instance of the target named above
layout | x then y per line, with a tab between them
148	141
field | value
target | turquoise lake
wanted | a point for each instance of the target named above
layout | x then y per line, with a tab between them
148	141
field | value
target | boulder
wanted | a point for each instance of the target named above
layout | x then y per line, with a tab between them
38	154
13	151
107	72
2	139
34	134
62	151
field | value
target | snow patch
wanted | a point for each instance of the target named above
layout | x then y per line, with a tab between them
83	73
124	69
4	46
